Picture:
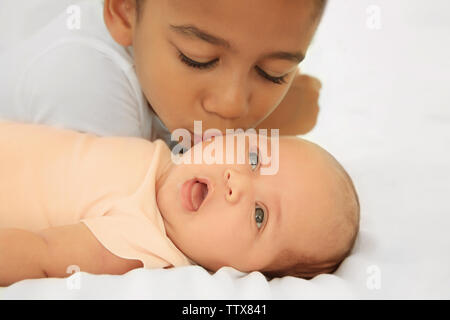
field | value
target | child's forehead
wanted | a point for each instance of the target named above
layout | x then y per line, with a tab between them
260	17
253	6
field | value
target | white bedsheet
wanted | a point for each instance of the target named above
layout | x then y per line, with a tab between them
385	114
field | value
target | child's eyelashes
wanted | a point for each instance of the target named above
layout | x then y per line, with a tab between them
194	64
277	80
207	65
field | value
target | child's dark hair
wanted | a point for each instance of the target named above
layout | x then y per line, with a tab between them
320	8
139	9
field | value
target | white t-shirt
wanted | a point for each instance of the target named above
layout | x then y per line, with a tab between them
78	79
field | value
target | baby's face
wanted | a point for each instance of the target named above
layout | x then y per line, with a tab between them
232	215
188	74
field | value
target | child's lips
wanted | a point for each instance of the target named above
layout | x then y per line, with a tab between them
210	135
205	137
194	193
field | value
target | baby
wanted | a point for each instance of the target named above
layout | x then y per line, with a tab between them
112	204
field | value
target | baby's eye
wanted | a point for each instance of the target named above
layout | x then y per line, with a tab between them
254	159
259	216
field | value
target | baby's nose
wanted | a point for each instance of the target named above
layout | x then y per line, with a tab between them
235	184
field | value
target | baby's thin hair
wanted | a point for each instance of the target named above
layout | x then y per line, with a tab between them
307	267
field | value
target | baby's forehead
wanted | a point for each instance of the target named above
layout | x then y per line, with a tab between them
297	152
306	172
291	152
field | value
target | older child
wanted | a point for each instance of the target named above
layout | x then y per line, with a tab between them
146	67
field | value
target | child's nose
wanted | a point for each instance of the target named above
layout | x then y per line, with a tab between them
236	184
230	103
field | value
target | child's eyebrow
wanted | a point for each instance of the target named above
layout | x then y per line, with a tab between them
296	57
192	31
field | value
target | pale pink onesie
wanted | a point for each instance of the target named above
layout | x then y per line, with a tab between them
52	177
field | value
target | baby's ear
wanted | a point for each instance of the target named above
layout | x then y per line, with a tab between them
120	18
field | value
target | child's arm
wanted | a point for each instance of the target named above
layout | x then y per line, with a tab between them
26	255
297	113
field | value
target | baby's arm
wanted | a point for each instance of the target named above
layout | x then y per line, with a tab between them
26	255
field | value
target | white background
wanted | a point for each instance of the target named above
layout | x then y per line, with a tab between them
384	114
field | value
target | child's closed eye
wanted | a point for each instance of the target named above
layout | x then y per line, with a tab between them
207	65
194	64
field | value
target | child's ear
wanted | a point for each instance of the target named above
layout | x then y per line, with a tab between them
119	16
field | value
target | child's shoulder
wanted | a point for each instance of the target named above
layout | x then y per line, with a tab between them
79	25
72	73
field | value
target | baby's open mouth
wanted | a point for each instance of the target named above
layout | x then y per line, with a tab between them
193	193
